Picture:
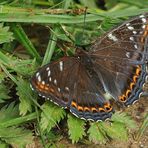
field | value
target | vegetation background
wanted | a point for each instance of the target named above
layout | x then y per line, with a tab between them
32	33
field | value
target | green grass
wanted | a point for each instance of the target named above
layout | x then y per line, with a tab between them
24	115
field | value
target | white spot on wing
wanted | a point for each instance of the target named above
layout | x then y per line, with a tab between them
50	79
47	68
43	82
143	20
37	74
59	89
136	46
49	72
128	54
141	16
67	88
134	32
131	38
128	24
143	26
112	37
39	78
130	28
61	65
55	82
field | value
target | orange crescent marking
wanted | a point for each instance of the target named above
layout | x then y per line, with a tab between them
127	92
108	107
131	85
135	78
122	98
52	90
80	108
40	85
94	109
86	109
73	104
101	109
46	87
138	70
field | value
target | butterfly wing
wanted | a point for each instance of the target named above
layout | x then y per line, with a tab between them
67	83
120	57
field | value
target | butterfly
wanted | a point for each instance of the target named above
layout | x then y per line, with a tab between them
116	64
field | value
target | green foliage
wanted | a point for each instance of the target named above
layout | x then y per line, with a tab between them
96	134
122	118
2	76
23	89
9	112
24	67
16	136
76	128
4	91
3	144
50	116
114	129
5	34
117	128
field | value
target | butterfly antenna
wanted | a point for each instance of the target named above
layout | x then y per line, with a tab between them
84	27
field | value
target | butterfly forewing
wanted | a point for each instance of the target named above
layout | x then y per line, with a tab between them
68	83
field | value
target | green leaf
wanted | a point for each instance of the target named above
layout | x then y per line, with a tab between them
5	35
76	128
24	67
50	116
3	144
124	119
23	88
4	91
9	112
96	134
89	4
116	130
17	137
2	76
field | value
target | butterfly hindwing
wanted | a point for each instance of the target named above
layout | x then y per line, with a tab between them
120	56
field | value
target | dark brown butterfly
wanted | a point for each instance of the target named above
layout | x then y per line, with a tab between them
115	64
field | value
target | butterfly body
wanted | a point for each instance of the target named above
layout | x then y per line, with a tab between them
115	64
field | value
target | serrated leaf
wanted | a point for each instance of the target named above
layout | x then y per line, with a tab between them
95	133
9	112
123	118
115	130
3	93
16	136
23	89
5	35
25	67
76	128
50	116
